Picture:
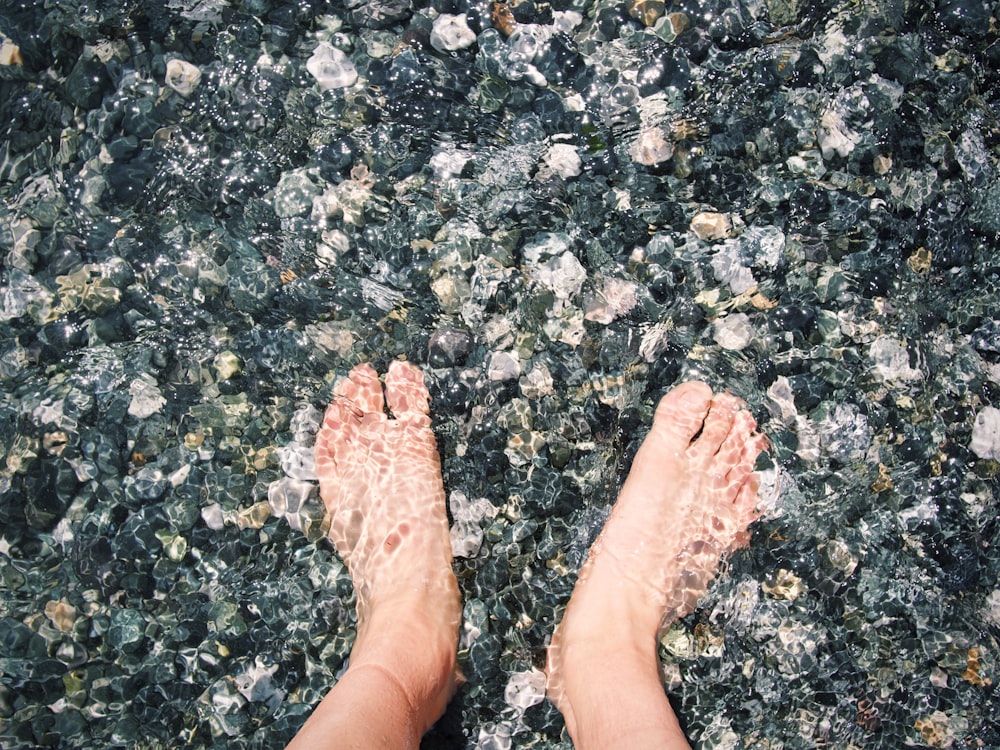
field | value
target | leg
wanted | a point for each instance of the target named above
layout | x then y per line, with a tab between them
687	500
380	479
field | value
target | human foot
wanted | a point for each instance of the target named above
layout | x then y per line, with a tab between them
688	499
380	479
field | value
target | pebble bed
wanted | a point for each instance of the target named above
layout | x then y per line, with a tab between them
211	210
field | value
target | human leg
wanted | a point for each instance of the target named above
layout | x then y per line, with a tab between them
380	479
689	497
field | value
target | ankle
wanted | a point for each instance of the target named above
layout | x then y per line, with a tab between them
607	608
612	697
417	652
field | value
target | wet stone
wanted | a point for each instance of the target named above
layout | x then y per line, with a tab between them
449	347
213	214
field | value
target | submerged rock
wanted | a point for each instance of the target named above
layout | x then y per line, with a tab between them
182	76
985	441
331	67
451	32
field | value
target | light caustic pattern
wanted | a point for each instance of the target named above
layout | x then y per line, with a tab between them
689	498
380	478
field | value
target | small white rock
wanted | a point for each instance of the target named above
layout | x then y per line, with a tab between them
651	147
563	160
993	608
146	397
834	136
182	77
331	67
563	274
449	161
710	225
734	331
892	360
986	433
451	32
504	366
525	689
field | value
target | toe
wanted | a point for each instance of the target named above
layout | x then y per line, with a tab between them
362	391
718	425
338	431
406	393
733	450
680	415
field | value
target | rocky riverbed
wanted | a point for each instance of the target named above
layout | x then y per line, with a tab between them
212	210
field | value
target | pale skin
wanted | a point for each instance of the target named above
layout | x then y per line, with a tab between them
688	499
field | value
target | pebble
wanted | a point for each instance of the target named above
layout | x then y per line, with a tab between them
712	226
331	67
182	76
734	331
834	136
227	365
10	53
61	614
294	194
146	398
985	441
564	275
563	160
468	516
449	347
451	32
651	147
615	298
503	366
892	360
525	689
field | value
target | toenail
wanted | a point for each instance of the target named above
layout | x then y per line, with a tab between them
692	398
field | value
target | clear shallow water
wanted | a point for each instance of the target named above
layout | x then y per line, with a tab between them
795	203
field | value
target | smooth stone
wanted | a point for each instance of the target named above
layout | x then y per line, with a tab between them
651	147
331	67
449	346
563	160
711	226
986	434
182	77
734	332
451	32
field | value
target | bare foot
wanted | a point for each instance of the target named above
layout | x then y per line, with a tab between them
688	499
380	478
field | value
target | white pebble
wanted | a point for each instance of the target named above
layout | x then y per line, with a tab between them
710	225
651	147
146	397
986	433
834	136
993	608
449	161
563	274
563	160
527	41
525	689
734	331
466	531
892	360
451	32
331	68
297	461
286	496
504	366
182	77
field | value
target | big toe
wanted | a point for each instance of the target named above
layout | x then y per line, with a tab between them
361	391
681	413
